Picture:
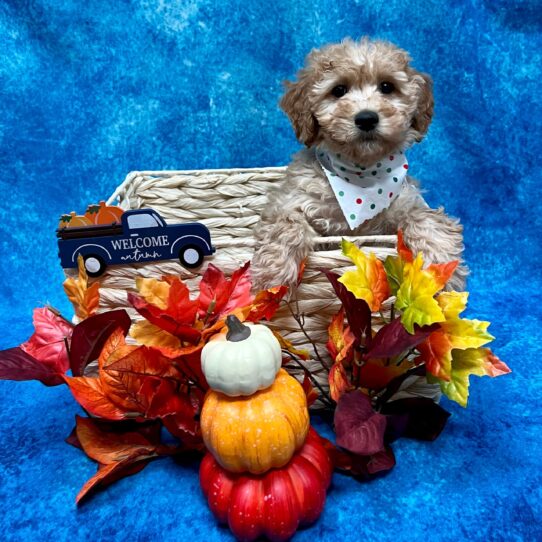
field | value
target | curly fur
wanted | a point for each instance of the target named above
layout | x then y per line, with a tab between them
304	205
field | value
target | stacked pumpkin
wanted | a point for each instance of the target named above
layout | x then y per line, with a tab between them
266	471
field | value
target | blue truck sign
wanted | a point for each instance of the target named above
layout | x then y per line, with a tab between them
141	236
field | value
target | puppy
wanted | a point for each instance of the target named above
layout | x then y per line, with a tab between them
356	106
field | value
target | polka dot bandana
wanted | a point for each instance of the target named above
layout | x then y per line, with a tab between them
363	191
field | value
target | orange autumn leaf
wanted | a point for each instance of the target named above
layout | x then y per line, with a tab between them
84	298
89	393
104	447
377	374
442	272
153	291
285	344
341	340
369	280
338	381
404	252
266	303
131	375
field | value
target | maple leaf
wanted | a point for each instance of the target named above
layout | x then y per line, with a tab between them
85	299
397	267
154	291
266	304
368	281
219	295
453	333
177	317
472	361
416	296
48	344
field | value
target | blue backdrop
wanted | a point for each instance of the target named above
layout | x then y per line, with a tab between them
93	89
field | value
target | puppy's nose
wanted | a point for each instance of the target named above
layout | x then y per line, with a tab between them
366	120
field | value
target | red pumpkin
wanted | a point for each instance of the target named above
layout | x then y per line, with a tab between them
273	504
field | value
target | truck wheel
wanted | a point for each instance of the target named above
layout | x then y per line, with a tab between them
191	256
94	265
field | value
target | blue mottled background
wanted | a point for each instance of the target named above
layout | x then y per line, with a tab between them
93	89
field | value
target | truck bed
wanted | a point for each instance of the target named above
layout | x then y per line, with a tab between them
89	231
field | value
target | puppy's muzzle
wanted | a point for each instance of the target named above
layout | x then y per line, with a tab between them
366	120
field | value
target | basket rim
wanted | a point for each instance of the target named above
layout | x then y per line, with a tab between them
170	172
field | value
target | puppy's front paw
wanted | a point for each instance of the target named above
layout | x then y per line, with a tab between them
269	269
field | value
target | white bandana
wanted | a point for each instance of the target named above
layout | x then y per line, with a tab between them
363	192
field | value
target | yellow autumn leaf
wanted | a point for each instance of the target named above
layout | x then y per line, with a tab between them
452	303
84	298
150	335
368	281
464	333
416	296
153	291
285	344
454	333
471	361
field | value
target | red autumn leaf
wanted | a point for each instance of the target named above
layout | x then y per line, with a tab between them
90	335
404	252
16	364
178	317
266	303
361	466
393	339
358	313
494	366
375	374
48	343
358	427
89	393
131	375
338	381
219	295
311	394
419	418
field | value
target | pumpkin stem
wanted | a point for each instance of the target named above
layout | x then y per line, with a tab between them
236	330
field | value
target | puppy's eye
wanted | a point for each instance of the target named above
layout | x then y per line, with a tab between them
386	87
339	91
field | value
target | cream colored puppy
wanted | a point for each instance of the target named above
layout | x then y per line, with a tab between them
357	106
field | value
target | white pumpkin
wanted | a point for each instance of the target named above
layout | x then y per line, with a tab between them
244	360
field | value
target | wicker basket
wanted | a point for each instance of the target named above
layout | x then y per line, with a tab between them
228	202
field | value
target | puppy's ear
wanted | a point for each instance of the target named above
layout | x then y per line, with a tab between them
424	112
295	104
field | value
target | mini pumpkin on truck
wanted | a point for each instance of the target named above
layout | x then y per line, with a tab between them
140	235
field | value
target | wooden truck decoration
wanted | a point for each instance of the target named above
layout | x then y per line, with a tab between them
106	235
